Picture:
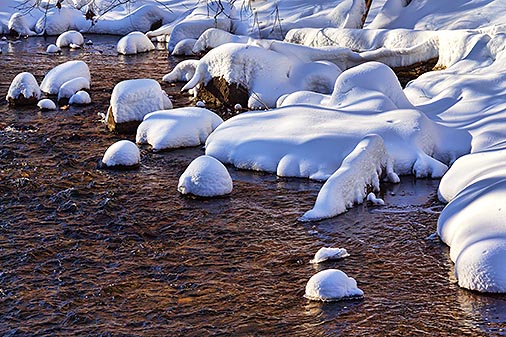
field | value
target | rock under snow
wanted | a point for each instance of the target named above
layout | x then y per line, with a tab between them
69	38
205	177
72	86
360	171
80	98
175	128
131	100
62	73
46	104
19	25
24	90
59	20
332	285
134	43
53	49
328	253
122	154
184	47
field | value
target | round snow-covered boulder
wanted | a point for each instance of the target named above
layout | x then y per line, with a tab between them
205	177
131	100
62	73
80	98
72	86
134	43
53	49
24	90
332	285
122	154
184	47
326	253
69	38
46	104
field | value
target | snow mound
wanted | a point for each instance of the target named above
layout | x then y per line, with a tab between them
205	177
133	43
177	128
327	253
69	38
266	74
131	100
53	49
24	89
375	200
72	86
18	23
332	285
80	98
122	153
183	71
184	47
46	104
59	20
214	37
62	73
361	169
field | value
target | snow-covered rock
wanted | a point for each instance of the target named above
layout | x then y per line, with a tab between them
59	20
80	98
19	24
360	171
133	43
184	47
122	154
205	177
69	38
131	100
72	86
62	73
332	285
53	49
46	104
371	197
175	128
183	71
24	90
328	253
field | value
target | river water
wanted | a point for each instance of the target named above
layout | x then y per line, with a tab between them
85	251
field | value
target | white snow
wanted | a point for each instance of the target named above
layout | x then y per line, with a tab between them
183	71
133	43
375	200
332	285
59	20
328	253
69	38
360	170
176	128
80	98
184	47
72	86
24	85
131	100
205	177
122	153
46	104
62	73
52	49
19	23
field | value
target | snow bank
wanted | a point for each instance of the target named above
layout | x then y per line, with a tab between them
123	153
46	104
327	253
69	38
177	128
332	285
80	98
133	43
24	89
72	86
59	20
62	73
360	171
205	177
18	23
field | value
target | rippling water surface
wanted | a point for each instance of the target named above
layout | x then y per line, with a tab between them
95	252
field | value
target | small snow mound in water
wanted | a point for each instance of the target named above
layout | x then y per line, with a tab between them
122	153
332	285
326	253
62	73
70	38
23	87
53	49
46	104
133	43
200	104
205	177
80	98
376	201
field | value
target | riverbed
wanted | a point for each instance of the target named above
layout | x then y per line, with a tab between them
86	251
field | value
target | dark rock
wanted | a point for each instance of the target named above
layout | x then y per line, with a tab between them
219	92
121	128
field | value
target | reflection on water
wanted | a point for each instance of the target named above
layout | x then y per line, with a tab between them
92	252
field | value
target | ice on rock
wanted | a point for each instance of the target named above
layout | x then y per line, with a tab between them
131	100
72	86
361	169
80	98
53	49
134	43
205	177
70	38
327	253
176	128
62	73
123	153
46	104
332	285
24	90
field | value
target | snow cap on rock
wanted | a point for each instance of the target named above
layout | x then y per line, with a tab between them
332	285
205	177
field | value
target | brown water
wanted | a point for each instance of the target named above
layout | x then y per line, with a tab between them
113	253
